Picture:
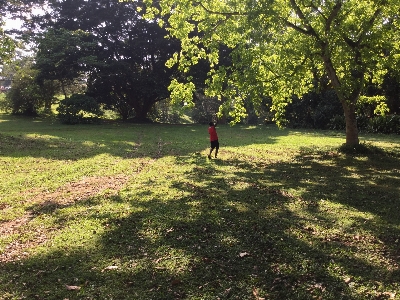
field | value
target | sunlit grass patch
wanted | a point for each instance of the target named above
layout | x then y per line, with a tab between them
125	211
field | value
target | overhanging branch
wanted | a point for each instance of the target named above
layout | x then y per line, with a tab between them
223	13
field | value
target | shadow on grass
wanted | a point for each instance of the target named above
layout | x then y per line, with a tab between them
229	237
122	140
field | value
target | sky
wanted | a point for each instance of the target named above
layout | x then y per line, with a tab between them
17	24
12	24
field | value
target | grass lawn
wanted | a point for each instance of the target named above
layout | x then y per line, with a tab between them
127	211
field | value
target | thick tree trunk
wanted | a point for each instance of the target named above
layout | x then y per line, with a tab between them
63	89
351	123
349	106
141	109
47	104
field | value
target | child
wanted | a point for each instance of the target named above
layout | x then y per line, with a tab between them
213	139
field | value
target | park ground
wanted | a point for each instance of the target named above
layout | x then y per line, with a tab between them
138	211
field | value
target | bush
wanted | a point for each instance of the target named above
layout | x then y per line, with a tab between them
385	124
79	109
164	112
338	122
24	97
313	110
205	109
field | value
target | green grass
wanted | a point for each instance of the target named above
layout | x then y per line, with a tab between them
125	211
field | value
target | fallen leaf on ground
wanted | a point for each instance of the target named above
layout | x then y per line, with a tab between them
110	268
72	287
347	280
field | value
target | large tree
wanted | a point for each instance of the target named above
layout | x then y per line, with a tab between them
279	47
7	43
64	56
122	54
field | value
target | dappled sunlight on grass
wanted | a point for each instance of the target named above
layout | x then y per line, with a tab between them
140	212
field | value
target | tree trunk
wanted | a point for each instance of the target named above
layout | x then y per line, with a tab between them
141	109
349	106
63	89
351	123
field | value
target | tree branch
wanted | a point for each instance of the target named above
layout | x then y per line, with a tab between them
370	23
354	44
297	28
333	15
309	29
233	13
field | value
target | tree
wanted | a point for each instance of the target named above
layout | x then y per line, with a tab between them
391	87
278	46
121	54
64	56
7	44
25	96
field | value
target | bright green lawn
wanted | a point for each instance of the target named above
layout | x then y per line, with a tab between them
125	211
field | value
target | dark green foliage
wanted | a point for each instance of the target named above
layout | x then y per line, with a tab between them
391	88
162	112
378	124
122	54
79	109
324	111
313	110
337	123
205	109
385	124
25	96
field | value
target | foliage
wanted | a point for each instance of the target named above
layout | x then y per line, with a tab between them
321	111
25	95
385	124
388	124
313	110
121	55
391	88
64	56
7	44
164	112
279	48
337	123
78	108
127	211
372	105
204	109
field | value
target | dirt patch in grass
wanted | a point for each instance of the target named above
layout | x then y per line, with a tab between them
65	195
81	190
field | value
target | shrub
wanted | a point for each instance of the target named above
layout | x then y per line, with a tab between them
164	112
79	109
338	122
313	110
24	97
205	109
385	124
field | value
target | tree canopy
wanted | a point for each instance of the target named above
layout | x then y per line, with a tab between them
7	44
280	48
122	54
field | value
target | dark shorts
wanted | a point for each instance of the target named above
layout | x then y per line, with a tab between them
214	144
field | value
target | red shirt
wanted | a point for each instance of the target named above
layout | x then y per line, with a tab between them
213	133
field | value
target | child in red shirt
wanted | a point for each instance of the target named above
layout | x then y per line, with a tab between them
213	139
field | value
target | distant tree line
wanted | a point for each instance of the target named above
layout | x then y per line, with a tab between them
97	56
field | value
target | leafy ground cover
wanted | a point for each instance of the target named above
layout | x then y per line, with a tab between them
127	211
